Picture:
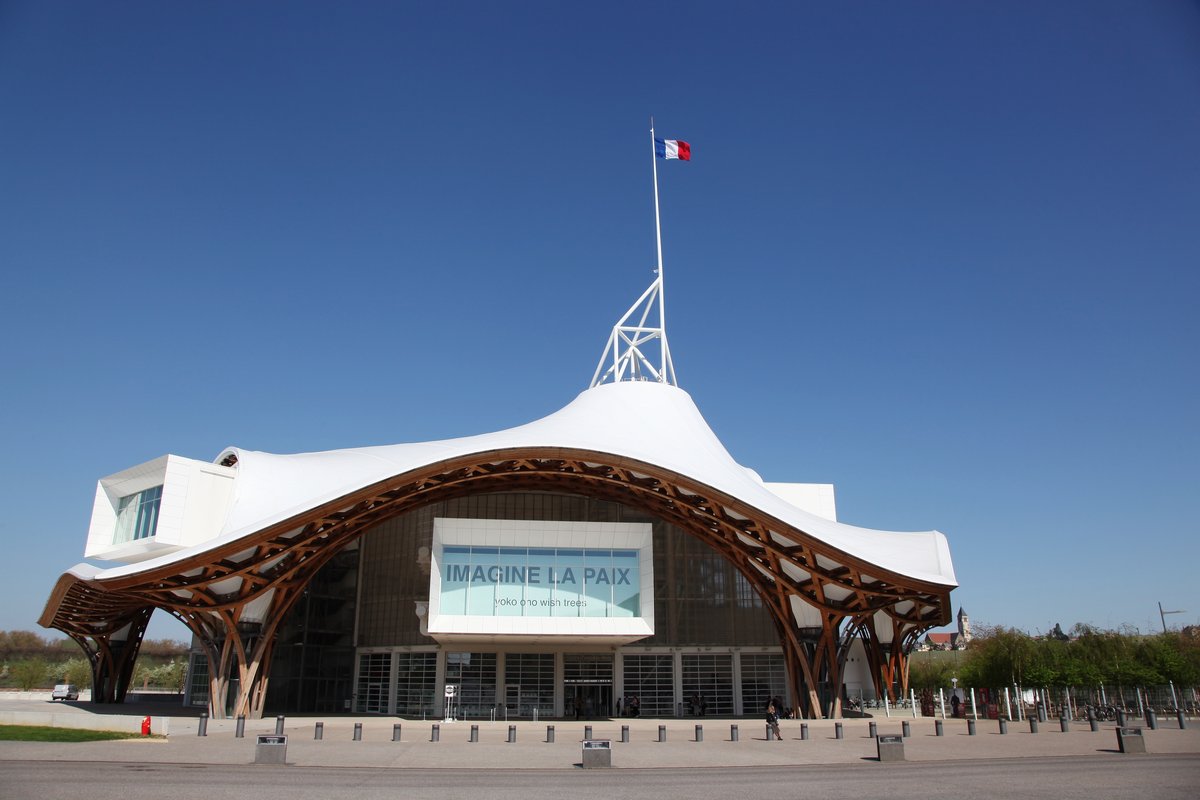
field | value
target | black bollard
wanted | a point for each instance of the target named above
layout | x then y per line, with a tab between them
938	728
279	725
1064	723
662	733
872	729
837	730
1151	719
804	731
436	733
512	733
1095	723
625	733
906	729
318	731
1121	718
1041	713
699	733
587	731
239	728
358	731
549	734
1003	725
1033	725
970	727
733	733
396	732
202	730
1182	721
474	734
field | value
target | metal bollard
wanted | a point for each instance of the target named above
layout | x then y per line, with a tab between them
906	729
662	733
1182	722
512	733
587	731
872	729
970	727
358	731
474	734
625	733
279	725
1151	719
318	731
239	729
804	731
699	733
1120	718
1095	723
733	733
436	733
938	728
1033	725
837	730
549	734
1064	724
202	730
396	732
1003	726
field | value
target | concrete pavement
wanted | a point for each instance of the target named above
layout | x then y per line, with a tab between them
176	740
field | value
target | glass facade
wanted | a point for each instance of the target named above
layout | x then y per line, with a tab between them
416	684
474	676
355	637
764	677
650	679
529	684
313	666
137	515
374	682
708	683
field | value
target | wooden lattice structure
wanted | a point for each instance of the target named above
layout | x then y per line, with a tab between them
234	597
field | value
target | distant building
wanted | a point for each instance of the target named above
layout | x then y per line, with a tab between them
956	640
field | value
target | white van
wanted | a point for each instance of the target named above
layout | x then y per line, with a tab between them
65	691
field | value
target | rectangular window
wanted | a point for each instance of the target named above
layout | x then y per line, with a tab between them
650	680
137	515
474	677
374	675
416	680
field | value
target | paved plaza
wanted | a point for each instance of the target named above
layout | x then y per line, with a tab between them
176	740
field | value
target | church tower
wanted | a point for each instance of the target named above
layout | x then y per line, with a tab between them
964	627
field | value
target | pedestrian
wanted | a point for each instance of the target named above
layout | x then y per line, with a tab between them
773	723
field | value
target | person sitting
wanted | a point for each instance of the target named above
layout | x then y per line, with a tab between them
773	723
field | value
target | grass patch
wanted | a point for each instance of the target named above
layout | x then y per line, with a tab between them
43	733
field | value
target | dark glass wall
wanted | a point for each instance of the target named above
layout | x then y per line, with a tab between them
313	666
700	599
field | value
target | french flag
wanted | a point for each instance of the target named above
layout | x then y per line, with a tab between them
672	148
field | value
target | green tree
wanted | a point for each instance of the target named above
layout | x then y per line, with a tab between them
30	673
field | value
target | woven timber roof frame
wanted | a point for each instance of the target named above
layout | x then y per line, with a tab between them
210	592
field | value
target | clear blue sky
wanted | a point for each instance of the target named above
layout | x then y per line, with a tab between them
941	254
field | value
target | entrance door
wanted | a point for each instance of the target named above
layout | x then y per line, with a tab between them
588	701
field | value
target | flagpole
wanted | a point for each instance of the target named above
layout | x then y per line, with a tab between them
662	310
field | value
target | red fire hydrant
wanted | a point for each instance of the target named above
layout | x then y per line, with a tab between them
146	726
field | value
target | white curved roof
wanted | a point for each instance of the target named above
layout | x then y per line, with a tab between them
651	422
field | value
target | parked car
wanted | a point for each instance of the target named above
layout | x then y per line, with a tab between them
65	691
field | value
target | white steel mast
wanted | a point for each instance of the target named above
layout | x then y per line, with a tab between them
624	354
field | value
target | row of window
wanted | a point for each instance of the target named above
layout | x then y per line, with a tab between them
705	682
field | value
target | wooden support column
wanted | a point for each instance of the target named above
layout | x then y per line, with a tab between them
112	655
